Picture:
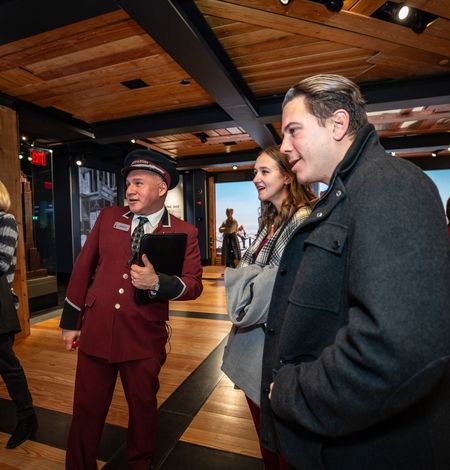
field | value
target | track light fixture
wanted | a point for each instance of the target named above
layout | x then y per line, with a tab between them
202	136
402	14
332	5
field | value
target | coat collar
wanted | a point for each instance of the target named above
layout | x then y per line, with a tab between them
336	191
164	222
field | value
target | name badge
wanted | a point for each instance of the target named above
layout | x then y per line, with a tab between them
121	226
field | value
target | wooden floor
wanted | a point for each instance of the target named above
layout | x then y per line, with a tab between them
223	422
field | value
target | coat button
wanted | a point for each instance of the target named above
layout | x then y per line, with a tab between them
125	276
282	271
338	193
281	361
121	291
336	244
319	215
271	331
117	306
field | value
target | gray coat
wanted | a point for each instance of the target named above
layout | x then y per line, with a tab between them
242	360
358	332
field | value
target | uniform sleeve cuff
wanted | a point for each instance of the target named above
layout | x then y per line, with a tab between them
70	316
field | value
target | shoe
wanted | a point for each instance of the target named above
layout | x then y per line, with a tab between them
25	429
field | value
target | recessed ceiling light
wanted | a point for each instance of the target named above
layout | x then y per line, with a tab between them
235	167
133	141
433	154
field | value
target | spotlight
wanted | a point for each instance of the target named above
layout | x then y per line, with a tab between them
403	12
133	141
433	154
78	162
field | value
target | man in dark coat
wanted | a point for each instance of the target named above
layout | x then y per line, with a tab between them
114	333
356	369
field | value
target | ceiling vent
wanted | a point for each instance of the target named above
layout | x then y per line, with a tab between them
135	84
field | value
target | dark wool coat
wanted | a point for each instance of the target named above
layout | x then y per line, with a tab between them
358	333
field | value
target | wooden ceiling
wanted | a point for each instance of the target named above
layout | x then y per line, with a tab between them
212	73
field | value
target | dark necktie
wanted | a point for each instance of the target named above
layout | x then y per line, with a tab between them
136	237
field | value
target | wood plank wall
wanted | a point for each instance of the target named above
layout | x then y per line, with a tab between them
10	176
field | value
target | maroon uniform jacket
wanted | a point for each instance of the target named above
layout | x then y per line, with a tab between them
100	296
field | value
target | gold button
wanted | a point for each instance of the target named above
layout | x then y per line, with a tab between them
121	291
125	276
117	306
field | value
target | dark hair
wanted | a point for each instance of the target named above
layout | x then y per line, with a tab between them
325	93
447	211
298	194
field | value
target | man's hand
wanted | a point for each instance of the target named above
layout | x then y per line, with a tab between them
70	337
144	277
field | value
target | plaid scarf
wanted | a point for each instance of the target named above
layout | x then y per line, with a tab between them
273	249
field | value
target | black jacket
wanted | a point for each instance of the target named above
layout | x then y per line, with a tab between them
358	334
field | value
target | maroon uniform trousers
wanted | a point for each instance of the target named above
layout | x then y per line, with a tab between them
95	381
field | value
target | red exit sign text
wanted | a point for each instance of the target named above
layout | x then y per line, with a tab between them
38	158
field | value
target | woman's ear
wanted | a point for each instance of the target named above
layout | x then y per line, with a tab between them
287	180
341	121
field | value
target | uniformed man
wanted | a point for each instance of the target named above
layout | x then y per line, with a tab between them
113	332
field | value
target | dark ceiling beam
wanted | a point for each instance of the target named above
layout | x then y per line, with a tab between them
180	29
381	96
38	123
408	93
20	19
417	143
170	123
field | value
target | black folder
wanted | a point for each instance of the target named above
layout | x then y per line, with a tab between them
166	252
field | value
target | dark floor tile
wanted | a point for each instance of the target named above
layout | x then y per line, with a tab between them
205	316
192	457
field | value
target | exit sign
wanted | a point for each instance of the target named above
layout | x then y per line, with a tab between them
38	157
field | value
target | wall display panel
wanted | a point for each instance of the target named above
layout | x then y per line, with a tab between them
242	197
98	189
175	201
441	179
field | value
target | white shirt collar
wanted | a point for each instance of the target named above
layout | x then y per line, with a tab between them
153	221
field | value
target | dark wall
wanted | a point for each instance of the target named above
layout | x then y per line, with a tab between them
196	208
